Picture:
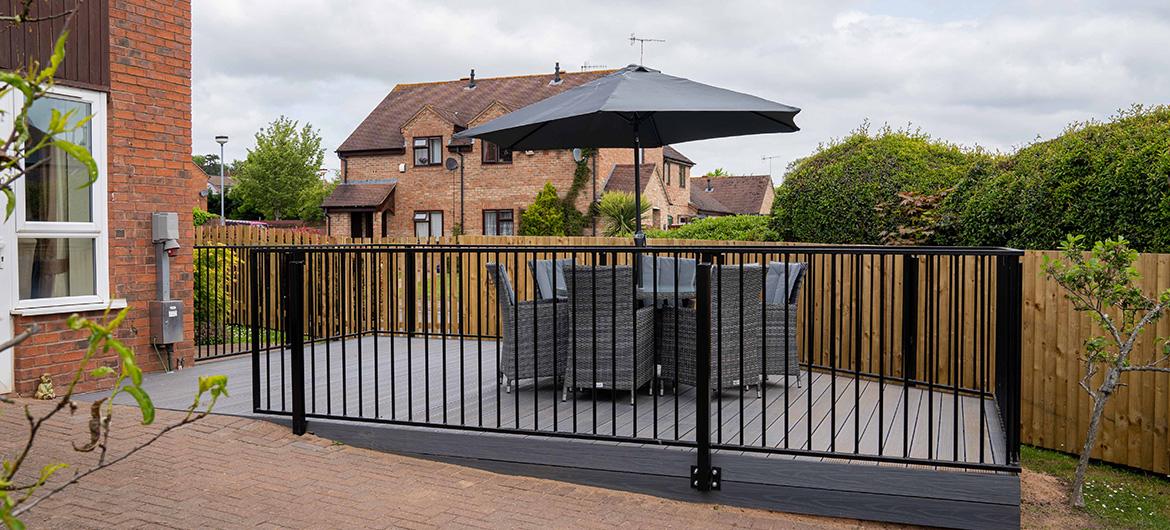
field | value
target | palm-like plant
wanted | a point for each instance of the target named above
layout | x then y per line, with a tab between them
617	211
717	172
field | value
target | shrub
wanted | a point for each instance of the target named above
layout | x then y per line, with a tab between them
215	271
729	228
546	216
1101	180
832	195
618	213
201	216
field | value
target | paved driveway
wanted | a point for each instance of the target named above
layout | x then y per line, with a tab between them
231	472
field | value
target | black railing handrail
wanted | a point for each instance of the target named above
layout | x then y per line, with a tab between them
651	249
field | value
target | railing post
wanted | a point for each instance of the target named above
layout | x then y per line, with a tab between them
1008	329
909	318
703	476
294	293
254	316
411	295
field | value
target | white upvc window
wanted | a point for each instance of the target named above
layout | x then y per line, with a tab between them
60	225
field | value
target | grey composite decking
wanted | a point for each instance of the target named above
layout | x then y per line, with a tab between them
453	383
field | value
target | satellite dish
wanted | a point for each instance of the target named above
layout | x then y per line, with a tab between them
451	163
577	155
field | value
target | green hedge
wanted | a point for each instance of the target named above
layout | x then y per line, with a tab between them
729	228
1102	180
831	196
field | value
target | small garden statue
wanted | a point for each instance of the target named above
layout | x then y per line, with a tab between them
45	388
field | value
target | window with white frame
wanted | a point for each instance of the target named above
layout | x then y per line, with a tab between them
60	223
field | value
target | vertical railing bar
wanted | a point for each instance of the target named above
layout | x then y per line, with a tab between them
613	342
857	294
254	310
358	309
293	319
742	378
392	307
444	323
702	475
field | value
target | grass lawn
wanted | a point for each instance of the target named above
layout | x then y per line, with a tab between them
1114	497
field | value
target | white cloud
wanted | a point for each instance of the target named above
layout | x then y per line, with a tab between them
998	76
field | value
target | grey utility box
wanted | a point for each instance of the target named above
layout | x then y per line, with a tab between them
164	226
166	321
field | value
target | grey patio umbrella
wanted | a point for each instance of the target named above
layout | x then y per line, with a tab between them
635	107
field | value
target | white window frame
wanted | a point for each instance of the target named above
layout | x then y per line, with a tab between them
97	228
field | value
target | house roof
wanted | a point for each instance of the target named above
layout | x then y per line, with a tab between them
452	100
743	194
673	154
621	177
360	194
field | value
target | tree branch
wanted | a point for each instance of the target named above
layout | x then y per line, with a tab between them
190	418
23	336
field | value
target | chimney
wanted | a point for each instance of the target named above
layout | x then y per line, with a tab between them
709	188
556	75
471	80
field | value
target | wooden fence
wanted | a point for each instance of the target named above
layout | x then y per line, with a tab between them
1054	408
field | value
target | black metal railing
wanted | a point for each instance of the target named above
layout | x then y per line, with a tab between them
887	354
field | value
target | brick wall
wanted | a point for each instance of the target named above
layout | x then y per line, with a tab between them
149	150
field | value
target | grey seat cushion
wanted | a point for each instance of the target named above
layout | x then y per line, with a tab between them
545	273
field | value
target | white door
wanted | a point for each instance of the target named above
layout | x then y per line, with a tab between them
7	265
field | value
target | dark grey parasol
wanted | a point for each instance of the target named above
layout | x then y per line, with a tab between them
635	107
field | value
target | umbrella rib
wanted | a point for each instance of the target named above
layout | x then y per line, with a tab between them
525	137
657	131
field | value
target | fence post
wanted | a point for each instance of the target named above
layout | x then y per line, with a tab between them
703	476
1009	291
294	293
254	305
909	318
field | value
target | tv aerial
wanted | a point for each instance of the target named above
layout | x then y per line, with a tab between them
641	42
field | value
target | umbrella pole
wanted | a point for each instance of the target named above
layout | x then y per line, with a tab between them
639	235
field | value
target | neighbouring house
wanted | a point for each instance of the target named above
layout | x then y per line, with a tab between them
70	249
394	181
732	195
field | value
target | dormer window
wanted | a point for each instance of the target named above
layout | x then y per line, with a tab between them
428	151
493	154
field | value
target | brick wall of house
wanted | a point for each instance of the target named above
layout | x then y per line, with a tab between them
149	170
487	186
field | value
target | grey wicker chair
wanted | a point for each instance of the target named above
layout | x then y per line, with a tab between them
782	287
603	326
663	269
533	334
680	327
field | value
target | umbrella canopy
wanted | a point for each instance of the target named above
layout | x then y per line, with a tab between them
667	110
635	107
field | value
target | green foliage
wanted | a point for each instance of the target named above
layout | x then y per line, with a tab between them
717	172
279	179
1096	179
546	216
201	216
215	272
832	196
575	220
209	163
311	202
729	228
619	214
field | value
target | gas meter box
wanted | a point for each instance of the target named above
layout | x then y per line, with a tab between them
166	321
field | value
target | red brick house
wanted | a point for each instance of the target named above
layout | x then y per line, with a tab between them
395	183
732	195
78	250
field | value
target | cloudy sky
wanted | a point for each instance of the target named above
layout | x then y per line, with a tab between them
997	74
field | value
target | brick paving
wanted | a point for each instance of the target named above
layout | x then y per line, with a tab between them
230	472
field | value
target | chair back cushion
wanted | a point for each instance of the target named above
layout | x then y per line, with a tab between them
499	276
782	282
544	271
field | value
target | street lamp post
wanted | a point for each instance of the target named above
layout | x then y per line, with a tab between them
221	139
